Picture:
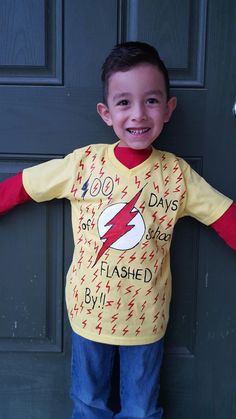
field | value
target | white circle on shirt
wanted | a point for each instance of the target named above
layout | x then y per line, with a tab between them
123	230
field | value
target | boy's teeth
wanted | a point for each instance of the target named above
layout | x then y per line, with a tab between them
138	131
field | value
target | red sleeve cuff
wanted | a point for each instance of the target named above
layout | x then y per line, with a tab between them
225	226
12	193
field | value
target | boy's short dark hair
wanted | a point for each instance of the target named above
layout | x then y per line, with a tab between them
127	55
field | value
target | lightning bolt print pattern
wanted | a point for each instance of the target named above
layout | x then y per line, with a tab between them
123	235
119	284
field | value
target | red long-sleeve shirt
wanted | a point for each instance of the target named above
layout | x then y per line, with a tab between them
12	193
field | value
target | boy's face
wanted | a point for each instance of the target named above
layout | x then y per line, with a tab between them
137	106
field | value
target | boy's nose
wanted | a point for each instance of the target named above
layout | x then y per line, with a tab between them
139	113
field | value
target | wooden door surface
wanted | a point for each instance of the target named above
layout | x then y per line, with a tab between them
50	58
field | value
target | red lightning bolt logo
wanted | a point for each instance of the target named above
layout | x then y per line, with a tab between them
151	256
119	285
98	286
118	303
167	179
175	168
88	151
148	291
131	304
142	207
136	293
74	190
137	331
82	279
117	180
166	193
182	196
109	303
121	257
169	224
119	225
148	174
162	219
92	167
81	164
143	258
124	192
179	178
95	274
101	173
76	308
114	317
130	314
177	189
132	257
79	177
137	182
156	316
99	328
154	216
156	186
128	289
108	287
125	330
143	305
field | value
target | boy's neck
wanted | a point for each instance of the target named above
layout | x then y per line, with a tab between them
130	157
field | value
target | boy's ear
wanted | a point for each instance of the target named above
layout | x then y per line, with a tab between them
104	113
170	107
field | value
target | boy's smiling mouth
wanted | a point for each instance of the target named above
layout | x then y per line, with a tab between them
138	131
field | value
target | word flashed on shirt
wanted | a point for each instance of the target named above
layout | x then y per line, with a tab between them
125	272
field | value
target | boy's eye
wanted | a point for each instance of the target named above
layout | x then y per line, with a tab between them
123	102
152	100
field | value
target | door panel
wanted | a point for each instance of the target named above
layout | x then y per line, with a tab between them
195	40
49	85
50	58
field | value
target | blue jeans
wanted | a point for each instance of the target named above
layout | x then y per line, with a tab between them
92	365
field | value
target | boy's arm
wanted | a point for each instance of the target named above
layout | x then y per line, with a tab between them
12	193
225	226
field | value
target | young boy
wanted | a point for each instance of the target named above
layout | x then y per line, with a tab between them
125	198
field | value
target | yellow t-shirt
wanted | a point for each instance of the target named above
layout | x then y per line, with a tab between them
119	283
